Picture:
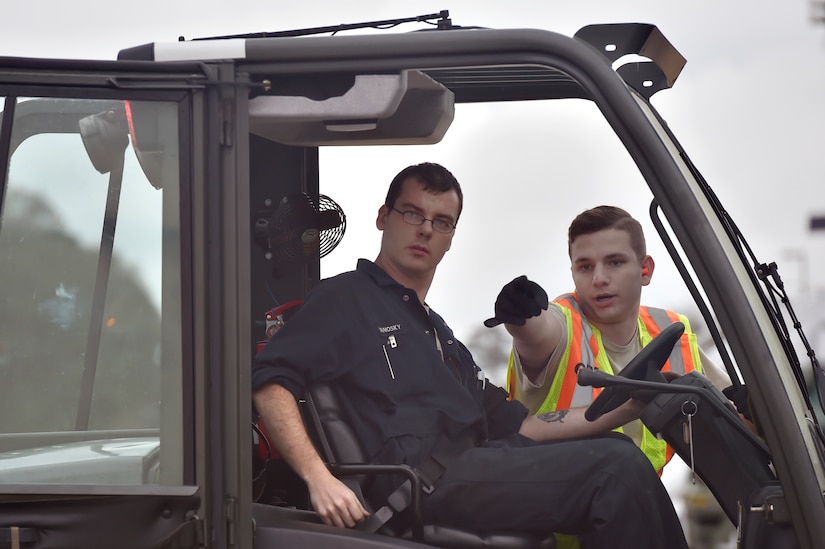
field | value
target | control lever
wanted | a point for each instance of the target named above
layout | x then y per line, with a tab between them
596	378
588	376
592	377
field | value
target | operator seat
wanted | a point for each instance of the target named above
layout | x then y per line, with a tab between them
343	453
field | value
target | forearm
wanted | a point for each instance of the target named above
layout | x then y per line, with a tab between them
535	341
286	431
571	423
334	502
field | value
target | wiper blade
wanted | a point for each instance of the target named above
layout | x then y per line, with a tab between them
443	23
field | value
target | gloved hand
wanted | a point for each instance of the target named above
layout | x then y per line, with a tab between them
517	301
739	395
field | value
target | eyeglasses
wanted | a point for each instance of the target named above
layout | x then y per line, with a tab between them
415	218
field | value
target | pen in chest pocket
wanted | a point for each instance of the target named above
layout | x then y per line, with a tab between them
393	344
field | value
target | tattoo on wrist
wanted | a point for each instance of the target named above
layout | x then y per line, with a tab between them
553	417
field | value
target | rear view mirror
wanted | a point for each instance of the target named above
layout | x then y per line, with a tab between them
148	138
152	131
105	136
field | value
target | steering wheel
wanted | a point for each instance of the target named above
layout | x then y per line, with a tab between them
646	366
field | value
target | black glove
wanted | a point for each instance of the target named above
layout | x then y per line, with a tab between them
739	395
517	301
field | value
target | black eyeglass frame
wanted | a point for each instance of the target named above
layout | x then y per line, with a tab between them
414	218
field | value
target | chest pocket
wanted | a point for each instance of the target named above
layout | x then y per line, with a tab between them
394	347
407	355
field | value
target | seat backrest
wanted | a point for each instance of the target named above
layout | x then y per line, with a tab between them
335	440
338	442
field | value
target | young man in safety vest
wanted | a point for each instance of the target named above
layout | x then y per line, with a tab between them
601	324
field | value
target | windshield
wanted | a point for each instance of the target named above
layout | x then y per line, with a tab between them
89	336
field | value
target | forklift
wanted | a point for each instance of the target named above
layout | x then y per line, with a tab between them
162	214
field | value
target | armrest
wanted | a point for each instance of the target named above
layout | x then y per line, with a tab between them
413	489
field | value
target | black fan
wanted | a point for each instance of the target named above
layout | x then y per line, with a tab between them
301	228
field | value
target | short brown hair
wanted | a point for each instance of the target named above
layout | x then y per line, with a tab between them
601	218
433	177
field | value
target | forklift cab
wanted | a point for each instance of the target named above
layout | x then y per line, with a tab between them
153	209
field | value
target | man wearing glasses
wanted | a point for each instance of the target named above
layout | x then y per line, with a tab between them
413	391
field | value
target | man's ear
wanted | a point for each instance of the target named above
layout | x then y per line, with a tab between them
648	265
381	220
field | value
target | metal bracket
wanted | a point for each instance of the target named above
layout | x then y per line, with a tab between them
774	510
617	40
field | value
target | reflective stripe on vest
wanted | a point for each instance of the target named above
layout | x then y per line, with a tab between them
585	345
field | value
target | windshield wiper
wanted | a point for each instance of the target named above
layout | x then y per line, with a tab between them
774	297
443	23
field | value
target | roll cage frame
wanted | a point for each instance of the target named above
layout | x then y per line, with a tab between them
221	178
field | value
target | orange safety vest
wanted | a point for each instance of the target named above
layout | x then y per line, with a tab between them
585	345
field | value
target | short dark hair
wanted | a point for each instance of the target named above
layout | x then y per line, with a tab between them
601	218
435	178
